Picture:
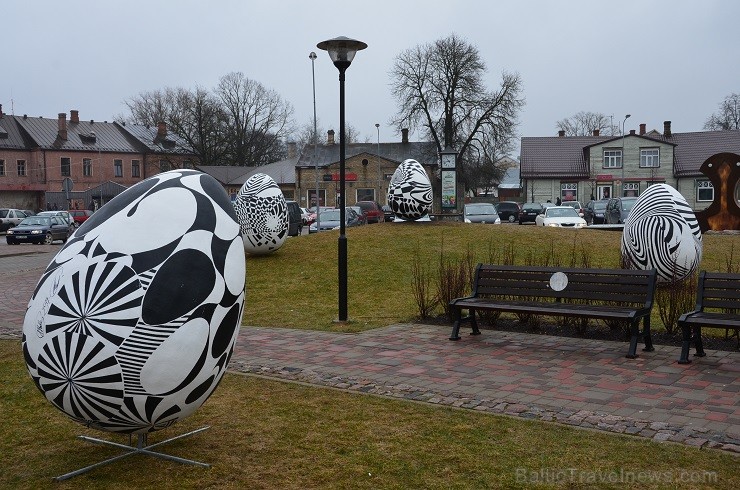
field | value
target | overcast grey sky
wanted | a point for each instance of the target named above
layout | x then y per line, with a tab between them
657	60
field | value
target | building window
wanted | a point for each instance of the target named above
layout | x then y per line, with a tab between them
187	164
704	191
311	194
365	194
650	157
66	170
569	191
118	168
135	170
612	158
288	195
164	166
631	189
87	167
21	167
2	167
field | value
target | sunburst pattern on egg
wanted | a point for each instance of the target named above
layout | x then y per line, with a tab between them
410	191
263	215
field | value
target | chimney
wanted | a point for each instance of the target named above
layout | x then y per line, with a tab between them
161	130
330	137
596	132
667	128
642	128
561	133
632	132
62	125
74	116
404	135
1	111
291	149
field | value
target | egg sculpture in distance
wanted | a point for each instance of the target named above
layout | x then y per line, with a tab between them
263	215
410	191
133	323
661	232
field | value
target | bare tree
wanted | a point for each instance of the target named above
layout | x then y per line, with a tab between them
727	117
584	123
258	120
439	88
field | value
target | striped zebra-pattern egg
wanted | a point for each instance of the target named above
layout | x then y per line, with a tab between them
133	323
662	232
410	191
263	215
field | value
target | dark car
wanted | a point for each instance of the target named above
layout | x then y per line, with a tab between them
618	209
508	211
372	211
295	219
594	211
388	214
529	212
80	216
38	229
331	219
481	212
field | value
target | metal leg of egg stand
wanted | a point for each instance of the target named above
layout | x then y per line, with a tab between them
140	448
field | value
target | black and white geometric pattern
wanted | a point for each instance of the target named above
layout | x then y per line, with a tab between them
661	232
133	323
262	214
410	191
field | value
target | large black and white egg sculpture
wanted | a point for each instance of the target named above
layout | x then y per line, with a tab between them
263	215
133	323
662	232
410	191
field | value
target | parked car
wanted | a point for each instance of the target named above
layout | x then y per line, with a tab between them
508	211
372	211
388	214
529	212
575	205
358	210
312	211
66	217
38	229
481	212
617	209
331	219
563	216
10	217
594	211
295	222
305	213
80	216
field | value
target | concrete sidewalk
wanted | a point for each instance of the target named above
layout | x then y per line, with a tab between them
580	382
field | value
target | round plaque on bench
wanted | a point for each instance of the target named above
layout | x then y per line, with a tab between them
558	281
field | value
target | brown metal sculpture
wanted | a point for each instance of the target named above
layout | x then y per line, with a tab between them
723	170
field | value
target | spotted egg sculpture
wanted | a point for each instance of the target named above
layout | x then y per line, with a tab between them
662	232
410	191
133	323
263	215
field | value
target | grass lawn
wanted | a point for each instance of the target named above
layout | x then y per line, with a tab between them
297	285
270	434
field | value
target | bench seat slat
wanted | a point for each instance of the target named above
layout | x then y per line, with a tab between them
565	309
589	295
721	320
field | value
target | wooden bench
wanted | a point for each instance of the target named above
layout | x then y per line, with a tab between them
717	306
607	294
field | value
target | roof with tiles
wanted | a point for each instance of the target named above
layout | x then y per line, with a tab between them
224	173
150	137
11	135
423	152
282	172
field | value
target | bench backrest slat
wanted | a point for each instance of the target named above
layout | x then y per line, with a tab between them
718	290
607	286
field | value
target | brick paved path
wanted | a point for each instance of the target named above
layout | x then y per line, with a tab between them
580	382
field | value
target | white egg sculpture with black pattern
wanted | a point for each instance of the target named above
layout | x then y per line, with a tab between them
133	323
262	213
661	232
410	191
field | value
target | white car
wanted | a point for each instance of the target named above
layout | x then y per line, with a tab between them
563	216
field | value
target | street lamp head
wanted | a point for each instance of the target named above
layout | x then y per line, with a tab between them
377	125
312	56
342	50
627	116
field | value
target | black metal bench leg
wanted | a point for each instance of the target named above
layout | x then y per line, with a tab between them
646	332
685	344
455	335
474	323
635	329
697	342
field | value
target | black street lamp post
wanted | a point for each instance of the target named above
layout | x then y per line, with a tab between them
341	51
